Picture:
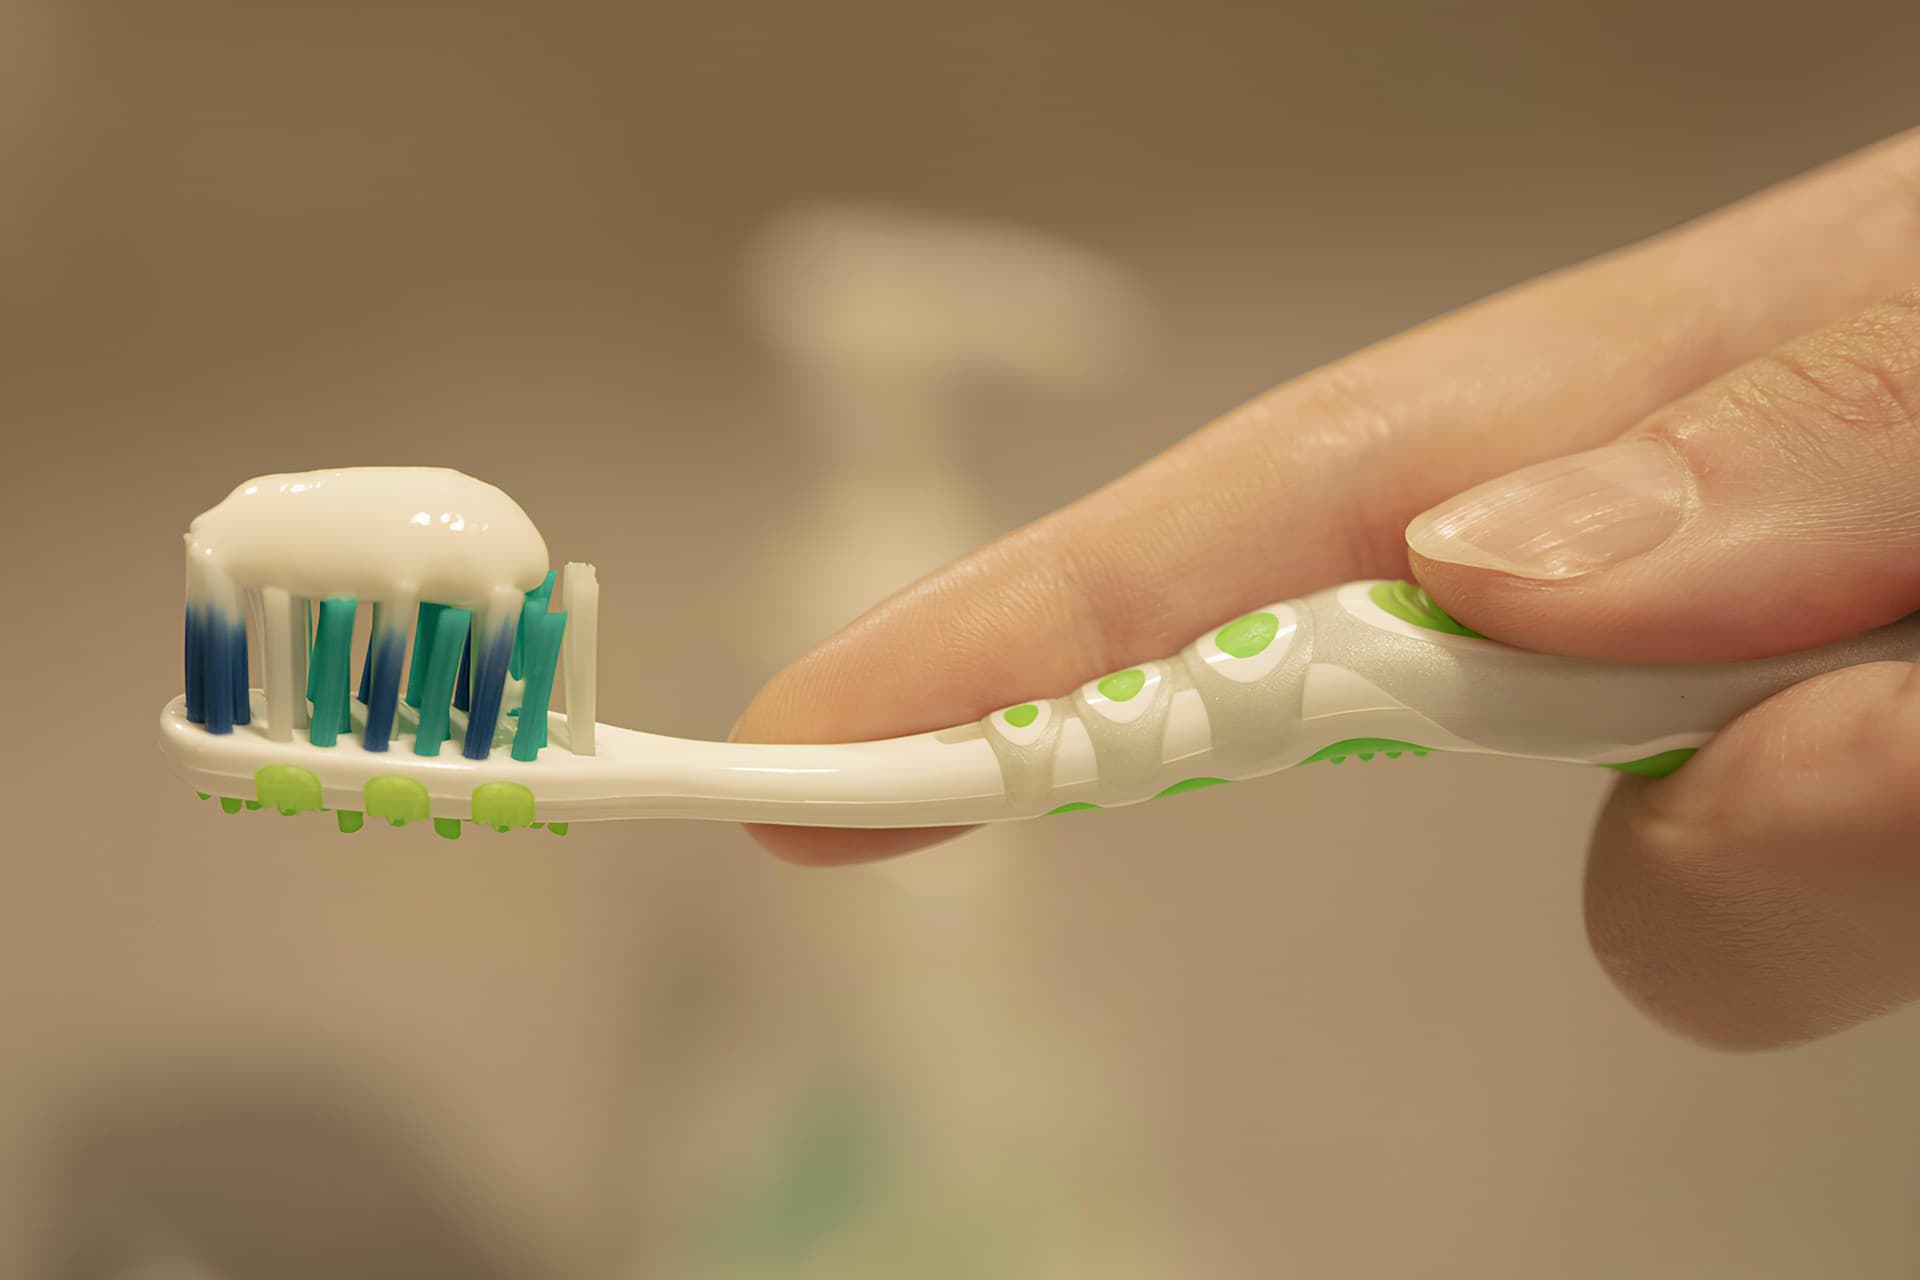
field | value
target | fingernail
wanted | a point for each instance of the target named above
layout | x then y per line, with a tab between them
1563	518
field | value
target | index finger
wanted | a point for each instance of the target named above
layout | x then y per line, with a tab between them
1315	481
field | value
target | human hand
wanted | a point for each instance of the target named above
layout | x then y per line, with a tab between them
1760	374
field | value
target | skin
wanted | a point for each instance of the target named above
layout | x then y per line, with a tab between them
1767	894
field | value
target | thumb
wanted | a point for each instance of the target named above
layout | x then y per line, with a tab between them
1773	510
1769	892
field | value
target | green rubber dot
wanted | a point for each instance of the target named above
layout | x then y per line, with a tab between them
1074	806
1248	636
397	799
558	828
203	795
350	820
447	828
1023	715
502	805
1122	685
230	804
1410	603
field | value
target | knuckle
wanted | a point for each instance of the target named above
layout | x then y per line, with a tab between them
1857	386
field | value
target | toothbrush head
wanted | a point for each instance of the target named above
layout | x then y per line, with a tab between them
454	577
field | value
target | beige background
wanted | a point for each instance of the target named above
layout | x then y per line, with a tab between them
1334	1027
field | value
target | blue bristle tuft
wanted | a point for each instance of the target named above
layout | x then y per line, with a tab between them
220	677
196	664
242	699
490	678
385	661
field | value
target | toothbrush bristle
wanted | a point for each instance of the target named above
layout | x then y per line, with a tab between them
196	679
444	654
383	668
490	678
331	641
216	668
538	639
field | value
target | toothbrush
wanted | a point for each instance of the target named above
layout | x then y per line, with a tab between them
1361	671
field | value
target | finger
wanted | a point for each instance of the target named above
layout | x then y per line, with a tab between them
1774	510
1769	893
1314	481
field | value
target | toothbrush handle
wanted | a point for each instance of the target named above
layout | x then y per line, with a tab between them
1361	670
1373	668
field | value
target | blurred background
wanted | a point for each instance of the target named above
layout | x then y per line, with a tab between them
767	309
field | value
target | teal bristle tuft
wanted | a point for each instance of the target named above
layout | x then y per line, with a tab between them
539	639
426	620
442	665
332	648
542	597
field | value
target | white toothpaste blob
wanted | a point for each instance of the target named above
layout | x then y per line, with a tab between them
373	533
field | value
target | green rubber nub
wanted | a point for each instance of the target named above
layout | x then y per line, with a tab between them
1658	765
229	804
503	805
288	788
447	828
1411	603
1122	685
1366	749
1074	806
1023	715
350	820
1190	784
558	828
399	800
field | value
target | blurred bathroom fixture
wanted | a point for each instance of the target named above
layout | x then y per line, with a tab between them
849	288
901	335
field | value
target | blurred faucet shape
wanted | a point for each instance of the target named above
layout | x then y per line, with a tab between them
903	335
